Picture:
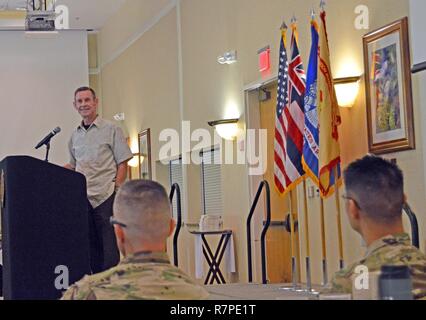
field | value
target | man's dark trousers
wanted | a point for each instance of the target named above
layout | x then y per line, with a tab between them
1	280
104	252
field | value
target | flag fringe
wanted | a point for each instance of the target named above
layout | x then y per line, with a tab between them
293	185
310	173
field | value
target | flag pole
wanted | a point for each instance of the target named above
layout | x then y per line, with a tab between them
308	246
290	220
339	221
293	243
324	247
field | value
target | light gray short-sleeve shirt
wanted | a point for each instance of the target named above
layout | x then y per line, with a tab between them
96	153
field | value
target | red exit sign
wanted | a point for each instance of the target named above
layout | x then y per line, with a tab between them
264	59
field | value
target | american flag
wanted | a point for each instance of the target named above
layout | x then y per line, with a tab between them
290	121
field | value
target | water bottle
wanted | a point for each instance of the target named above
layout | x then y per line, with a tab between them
395	283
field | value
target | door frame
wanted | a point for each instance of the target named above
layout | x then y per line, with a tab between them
253	122
252	112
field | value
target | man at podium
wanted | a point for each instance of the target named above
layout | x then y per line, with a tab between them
99	151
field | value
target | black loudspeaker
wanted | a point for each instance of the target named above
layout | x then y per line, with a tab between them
45	238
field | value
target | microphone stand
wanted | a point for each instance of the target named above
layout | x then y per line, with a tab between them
47	151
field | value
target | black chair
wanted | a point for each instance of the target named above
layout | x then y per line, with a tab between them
176	191
263	185
414	225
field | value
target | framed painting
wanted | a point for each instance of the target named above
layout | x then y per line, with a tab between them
145	170
388	89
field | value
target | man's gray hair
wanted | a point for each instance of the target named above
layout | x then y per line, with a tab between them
83	89
144	207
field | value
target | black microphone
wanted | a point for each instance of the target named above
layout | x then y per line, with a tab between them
46	140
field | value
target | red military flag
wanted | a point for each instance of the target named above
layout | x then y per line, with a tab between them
329	120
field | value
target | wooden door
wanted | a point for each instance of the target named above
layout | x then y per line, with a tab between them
278	239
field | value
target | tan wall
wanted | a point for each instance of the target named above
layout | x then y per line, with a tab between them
417	25
142	83
92	42
148	91
132	17
94	66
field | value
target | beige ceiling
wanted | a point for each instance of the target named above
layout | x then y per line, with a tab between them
84	14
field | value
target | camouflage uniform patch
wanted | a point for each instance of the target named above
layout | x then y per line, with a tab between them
144	276
391	250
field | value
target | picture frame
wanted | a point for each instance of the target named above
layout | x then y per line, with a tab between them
389	89
145	167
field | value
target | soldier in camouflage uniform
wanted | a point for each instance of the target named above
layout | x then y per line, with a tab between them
142	222
374	203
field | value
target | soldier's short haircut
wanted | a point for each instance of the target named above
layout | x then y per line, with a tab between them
144	207
377	185
83	89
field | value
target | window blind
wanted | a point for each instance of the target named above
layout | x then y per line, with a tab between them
176	176
211	182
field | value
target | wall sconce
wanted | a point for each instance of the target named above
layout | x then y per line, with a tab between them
134	161
347	90
228	58
226	129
